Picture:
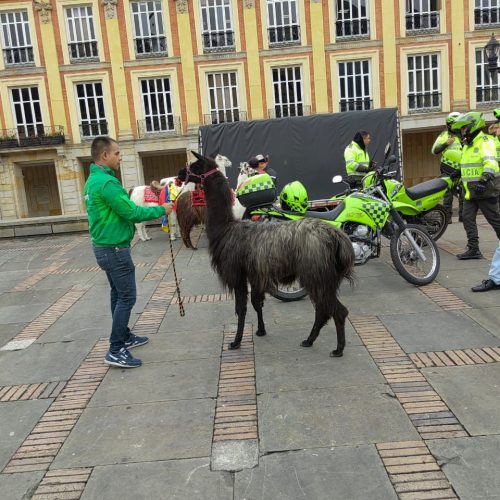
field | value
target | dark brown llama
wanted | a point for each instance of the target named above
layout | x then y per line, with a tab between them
264	255
187	217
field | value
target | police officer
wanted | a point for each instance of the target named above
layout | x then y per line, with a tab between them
261	164
449	146
480	177
357	161
494	130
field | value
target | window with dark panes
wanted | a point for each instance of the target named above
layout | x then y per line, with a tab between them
283	18
422	15
217	24
287	89
486	13
223	97
355	85
157	103
352	19
16	38
81	33
487	84
90	101
149	29
424	86
27	111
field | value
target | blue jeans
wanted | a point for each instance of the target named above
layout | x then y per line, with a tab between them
120	271
494	273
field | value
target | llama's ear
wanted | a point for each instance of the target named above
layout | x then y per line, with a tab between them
199	157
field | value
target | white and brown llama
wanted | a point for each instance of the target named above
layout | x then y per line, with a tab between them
265	255
145	196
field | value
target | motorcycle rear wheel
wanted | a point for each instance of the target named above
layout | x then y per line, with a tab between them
434	221
406	259
290	293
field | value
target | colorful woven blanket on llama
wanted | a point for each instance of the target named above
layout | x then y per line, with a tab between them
150	196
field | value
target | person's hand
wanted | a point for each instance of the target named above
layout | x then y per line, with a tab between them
455	174
168	208
450	140
480	188
373	165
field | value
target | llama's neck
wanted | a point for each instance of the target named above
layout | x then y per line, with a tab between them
219	205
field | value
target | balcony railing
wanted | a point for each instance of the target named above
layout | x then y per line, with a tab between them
93	129
218	41
487	17
417	23
355	28
488	95
286	110
284	35
151	46
356	104
31	135
20	55
425	102
159	126
231	115
83	51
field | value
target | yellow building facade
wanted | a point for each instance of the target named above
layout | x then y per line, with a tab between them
150	72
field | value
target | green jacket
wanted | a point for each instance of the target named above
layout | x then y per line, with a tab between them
451	154
479	158
111	214
357	161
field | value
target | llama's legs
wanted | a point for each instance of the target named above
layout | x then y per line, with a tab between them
145	232
258	303
240	297
139	231
320	319
339	317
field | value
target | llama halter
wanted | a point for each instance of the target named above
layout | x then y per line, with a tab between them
202	177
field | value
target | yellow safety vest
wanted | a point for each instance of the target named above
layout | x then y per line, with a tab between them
354	158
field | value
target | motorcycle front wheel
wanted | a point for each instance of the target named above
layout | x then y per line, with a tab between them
434	221
290	293
406	258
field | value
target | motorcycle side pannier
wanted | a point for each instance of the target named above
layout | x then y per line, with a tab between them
257	190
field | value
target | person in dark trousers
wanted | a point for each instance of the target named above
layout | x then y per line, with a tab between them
357	160
480	176
111	216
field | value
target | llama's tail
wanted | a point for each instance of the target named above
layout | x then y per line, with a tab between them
130	192
344	264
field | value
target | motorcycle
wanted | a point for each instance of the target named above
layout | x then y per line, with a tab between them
365	217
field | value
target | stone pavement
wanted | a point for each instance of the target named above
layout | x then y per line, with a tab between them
411	411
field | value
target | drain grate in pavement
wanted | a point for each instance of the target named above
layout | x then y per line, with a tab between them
423	405
151	318
62	483
443	297
24	392
92	269
413	471
456	357
41	446
214	297
41	324
39	276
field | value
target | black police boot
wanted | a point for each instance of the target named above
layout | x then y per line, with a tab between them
470	253
486	286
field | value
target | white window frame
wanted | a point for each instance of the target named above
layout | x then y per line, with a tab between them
354	71
283	21
217	24
25	128
285	106
81	31
422	8
143	34
159	97
417	77
491	6
16	37
344	16
223	96
486	81
98	125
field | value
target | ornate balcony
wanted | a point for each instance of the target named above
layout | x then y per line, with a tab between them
487	96
166	125
232	115
425	102
361	104
218	41
487	17
284	35
155	46
417	24
286	110
92	129
31	135
18	56
351	29
83	51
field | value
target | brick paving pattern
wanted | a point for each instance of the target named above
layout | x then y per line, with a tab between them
75	241
214	297
44	390
41	446
39	276
92	269
413	471
456	357
427	411
236	409
443	297
62	484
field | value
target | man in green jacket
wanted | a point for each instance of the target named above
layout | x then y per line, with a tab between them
357	161
111	217
480	176
449	146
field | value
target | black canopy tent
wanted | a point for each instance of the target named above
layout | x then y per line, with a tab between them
305	148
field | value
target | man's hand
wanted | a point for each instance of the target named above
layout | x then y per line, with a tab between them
480	188
450	141
455	174
168	208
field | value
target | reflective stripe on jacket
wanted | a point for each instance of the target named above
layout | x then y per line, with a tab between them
356	157
453	153
479	158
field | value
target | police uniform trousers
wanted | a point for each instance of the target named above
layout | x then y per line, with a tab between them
490	210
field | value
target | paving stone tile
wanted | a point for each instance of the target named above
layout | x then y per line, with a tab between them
331	417
471	465
9	330
437	331
21	313
317	474
190	479
472	393
139	433
488	318
19	486
32	296
165	381
17	420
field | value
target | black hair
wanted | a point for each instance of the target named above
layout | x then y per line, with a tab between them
358	138
99	145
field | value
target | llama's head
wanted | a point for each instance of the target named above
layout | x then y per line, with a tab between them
246	169
155	187
223	162
198	170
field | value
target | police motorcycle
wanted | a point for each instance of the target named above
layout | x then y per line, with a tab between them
364	216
